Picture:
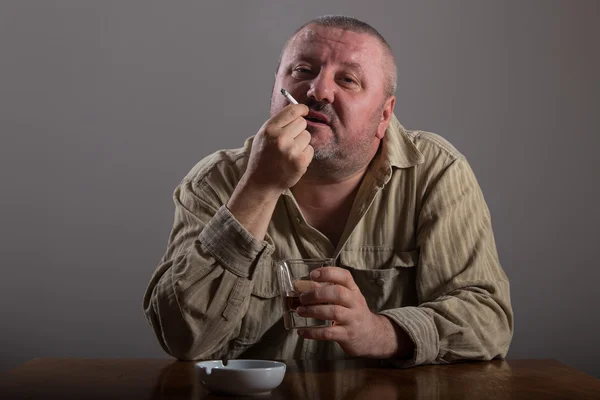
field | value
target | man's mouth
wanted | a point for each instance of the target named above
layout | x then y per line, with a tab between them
316	117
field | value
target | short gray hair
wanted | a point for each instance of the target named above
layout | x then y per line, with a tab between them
358	26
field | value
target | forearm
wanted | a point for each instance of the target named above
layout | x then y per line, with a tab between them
468	323
253	207
188	322
200	292
474	321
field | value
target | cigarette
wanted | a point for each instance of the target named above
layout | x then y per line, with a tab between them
288	96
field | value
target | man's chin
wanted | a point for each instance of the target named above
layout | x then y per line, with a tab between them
324	153
324	143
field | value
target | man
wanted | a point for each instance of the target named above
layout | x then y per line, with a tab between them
417	277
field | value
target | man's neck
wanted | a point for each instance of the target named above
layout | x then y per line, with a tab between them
326	205
323	194
325	188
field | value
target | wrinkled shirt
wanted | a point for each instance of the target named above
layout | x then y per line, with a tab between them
418	243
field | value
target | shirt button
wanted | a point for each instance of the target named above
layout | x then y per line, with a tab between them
380	282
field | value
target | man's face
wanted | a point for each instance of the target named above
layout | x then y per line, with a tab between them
339	75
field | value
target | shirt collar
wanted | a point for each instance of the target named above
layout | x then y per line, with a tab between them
397	150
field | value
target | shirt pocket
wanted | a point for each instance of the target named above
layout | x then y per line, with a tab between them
386	278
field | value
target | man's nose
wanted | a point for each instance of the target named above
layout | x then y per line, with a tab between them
322	89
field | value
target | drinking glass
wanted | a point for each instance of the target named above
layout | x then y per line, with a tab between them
293	277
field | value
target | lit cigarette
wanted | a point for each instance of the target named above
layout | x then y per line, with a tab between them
288	96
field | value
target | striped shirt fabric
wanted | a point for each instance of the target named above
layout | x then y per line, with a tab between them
418	243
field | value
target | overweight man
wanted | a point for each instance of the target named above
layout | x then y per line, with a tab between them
416	277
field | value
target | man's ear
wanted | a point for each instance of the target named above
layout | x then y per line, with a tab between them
386	116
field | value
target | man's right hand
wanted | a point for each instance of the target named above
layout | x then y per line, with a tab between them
281	151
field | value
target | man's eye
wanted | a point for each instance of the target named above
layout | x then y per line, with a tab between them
348	80
302	70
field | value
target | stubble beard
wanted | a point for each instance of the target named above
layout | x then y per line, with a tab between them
326	151
331	159
333	147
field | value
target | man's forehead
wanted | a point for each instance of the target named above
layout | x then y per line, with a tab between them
313	36
313	33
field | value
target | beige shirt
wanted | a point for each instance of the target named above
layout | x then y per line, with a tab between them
418	243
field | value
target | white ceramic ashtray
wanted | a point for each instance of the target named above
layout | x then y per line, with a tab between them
240	377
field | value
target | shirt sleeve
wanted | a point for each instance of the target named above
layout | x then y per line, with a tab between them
199	293
464	310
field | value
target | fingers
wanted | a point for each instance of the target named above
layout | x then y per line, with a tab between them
336	275
303	139
281	150
330	312
303	285
289	114
308	154
294	128
336	332
335	294
291	136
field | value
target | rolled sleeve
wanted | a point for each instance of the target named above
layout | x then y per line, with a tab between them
419	325
231	244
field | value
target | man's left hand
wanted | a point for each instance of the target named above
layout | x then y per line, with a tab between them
358	331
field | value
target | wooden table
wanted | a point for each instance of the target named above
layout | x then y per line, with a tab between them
72	378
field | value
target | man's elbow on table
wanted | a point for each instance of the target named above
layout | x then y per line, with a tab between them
176	337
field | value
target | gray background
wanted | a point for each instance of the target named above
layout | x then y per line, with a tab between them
106	105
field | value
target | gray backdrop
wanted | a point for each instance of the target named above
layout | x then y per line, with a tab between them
106	105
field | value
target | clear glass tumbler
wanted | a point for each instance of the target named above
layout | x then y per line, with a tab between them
293	277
